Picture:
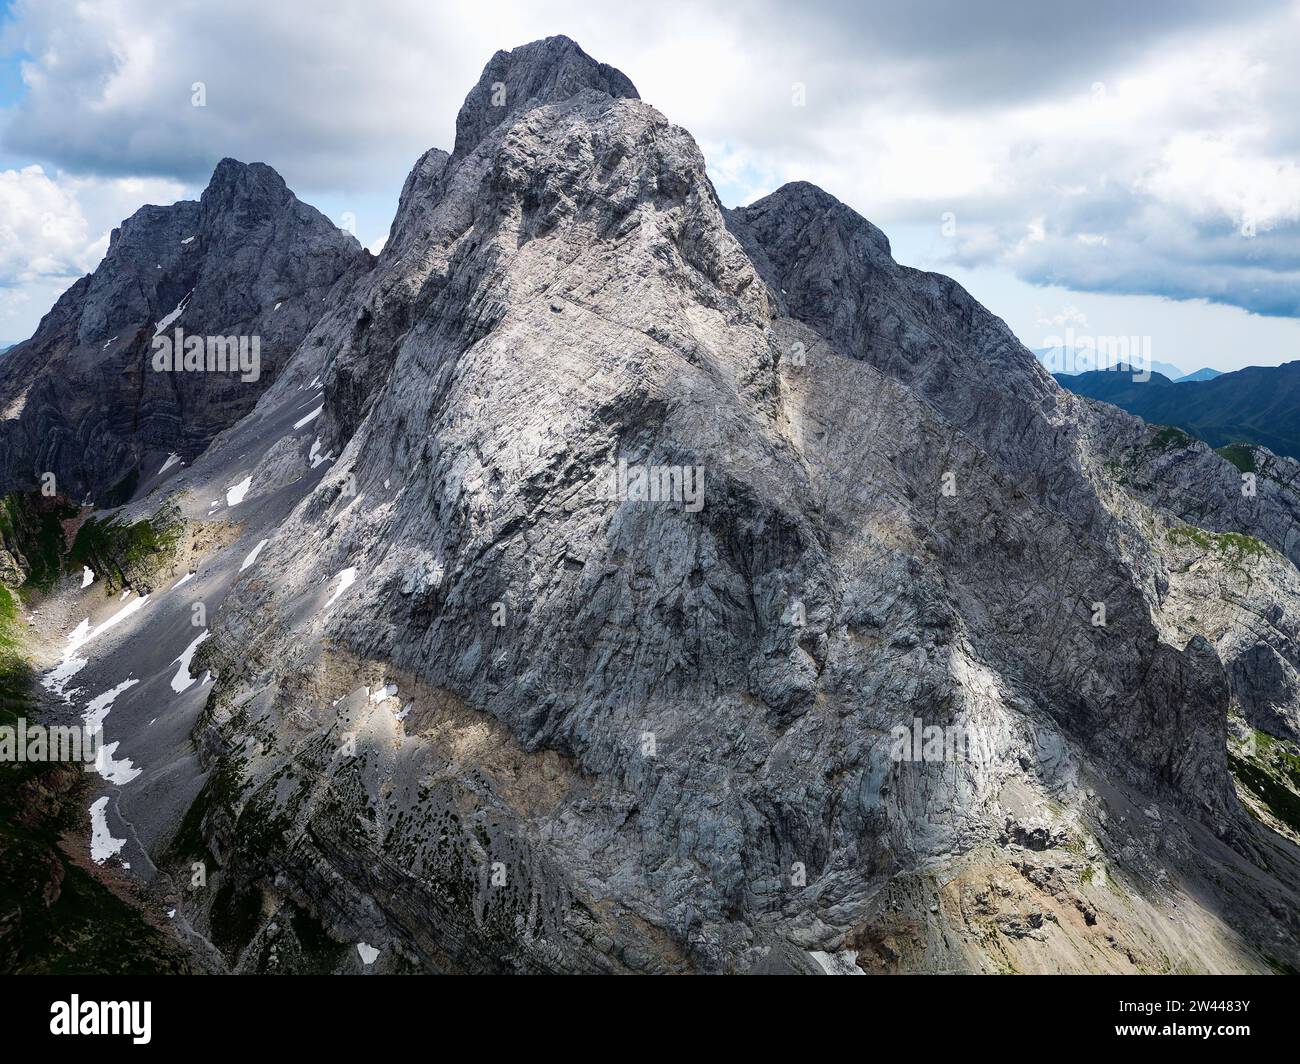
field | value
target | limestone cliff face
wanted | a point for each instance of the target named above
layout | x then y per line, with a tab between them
81	398
674	727
909	659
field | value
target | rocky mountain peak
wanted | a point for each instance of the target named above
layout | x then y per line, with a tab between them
592	511
247	259
235	185
545	71
801	210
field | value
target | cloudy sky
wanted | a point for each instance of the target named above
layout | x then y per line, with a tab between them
1112	167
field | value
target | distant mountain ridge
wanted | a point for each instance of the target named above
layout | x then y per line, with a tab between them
1258	405
1053	361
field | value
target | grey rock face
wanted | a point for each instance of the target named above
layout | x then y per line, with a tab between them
674	729
1240	592
548	71
82	398
833	270
911	660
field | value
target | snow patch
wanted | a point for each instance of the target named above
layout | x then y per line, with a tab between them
309	418
116	772
180	307
843	963
252	555
102	844
385	692
183	681
235	495
97	708
183	579
57	679
172	459
368	953
346	579
316	458
87	577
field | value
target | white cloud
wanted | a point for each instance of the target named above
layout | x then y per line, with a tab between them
43	232
1206	175
1068	315
1109	147
55	228
58	227
22	306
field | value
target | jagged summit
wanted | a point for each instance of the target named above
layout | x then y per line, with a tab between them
544	71
80	398
236	183
801	206
564	293
672	720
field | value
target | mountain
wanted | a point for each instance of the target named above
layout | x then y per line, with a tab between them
1257	405
612	582
1205	374
1116	386
1059	364
82	399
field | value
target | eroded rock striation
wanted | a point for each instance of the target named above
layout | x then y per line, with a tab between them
674	589
671	734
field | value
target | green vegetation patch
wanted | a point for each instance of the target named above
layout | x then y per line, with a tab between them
15	673
1242	455
126	554
55	917
1270	788
1234	547
31	532
34	553
1170	438
1269	769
